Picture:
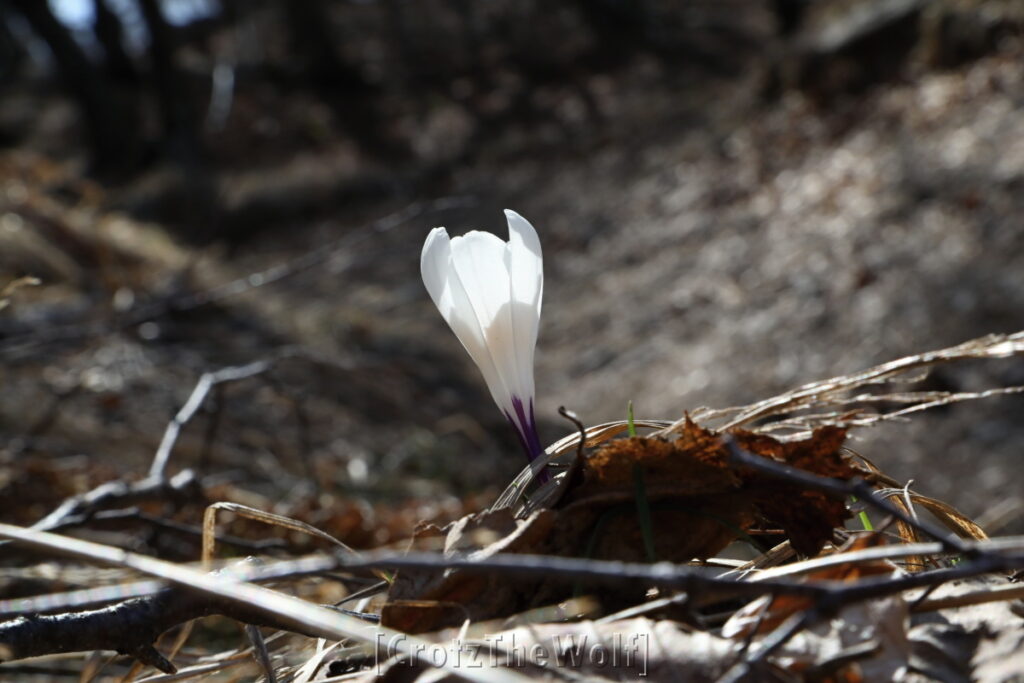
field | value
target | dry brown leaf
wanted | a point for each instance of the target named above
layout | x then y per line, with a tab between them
876	630
952	518
865	642
698	503
982	641
765	614
696	490
424	600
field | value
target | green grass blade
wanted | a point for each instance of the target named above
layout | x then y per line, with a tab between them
643	513
863	517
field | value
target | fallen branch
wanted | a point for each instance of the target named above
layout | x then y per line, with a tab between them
197	594
226	591
207	381
129	627
185	486
76	510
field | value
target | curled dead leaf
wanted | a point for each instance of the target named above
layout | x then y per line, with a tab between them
695	502
702	502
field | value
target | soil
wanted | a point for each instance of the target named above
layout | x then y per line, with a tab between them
705	244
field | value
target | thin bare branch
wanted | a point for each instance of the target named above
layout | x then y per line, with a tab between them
257	604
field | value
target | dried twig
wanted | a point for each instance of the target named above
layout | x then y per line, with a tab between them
11	287
833	391
288	613
841	489
76	510
134	513
207	381
254	604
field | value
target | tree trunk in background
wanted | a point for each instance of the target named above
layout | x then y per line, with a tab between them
350	95
108	117
110	34
180	135
12	53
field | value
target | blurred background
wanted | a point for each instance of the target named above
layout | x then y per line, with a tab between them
734	197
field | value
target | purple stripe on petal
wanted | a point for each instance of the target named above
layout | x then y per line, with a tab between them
525	423
533	430
519	435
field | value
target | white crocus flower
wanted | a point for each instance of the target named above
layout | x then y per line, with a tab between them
489	292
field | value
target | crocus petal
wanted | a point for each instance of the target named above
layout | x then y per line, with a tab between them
453	302
527	265
526	289
489	291
434	262
479	263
